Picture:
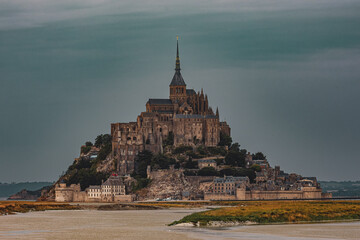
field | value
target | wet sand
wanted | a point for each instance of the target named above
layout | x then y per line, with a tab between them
328	231
151	224
92	224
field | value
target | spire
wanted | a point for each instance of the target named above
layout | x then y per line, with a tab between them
217	112
177	79
177	63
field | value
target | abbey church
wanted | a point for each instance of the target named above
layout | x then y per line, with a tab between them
185	114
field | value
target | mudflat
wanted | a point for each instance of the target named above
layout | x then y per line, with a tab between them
93	224
152	224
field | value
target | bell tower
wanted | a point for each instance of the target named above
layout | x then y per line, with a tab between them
177	85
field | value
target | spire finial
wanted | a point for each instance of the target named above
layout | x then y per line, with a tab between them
177	63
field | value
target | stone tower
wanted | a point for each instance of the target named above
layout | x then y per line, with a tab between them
177	85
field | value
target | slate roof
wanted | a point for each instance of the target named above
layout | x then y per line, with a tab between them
206	161
194	116
230	179
148	114
159	101
165	111
177	80
113	181
190	92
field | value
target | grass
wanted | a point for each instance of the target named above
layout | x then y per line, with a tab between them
263	212
11	207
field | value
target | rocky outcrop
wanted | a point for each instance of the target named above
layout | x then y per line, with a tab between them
106	165
27	195
171	183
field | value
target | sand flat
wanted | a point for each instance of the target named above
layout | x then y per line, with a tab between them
152	224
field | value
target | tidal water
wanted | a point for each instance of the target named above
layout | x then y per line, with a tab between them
152	224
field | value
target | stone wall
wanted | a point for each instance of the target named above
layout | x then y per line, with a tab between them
124	198
242	194
64	193
218	196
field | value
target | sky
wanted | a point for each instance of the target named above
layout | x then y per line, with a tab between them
284	74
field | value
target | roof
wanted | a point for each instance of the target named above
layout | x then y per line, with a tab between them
113	181
194	116
190	92
148	114
206	161
159	101
177	80
260	161
94	187
230	179
165	111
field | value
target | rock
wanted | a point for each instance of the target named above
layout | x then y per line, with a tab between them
26	195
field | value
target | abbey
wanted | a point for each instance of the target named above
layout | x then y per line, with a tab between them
185	114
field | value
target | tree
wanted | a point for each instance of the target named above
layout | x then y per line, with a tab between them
85	149
105	150
142	160
208	171
98	141
235	147
256	168
169	141
161	161
190	164
102	139
87	177
88	144
258	156
235	156
225	140
182	149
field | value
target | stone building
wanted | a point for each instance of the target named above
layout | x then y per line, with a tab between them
225	188
185	113
270	183
112	190
202	163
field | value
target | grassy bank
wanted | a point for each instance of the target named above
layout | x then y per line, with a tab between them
263	212
11	207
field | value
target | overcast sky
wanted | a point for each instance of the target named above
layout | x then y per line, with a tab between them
284	74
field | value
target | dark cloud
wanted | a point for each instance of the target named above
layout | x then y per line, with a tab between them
285	76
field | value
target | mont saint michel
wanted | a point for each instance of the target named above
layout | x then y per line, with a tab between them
178	149
150	120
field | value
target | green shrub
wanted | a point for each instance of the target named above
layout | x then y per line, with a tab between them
161	161
85	149
239	172
182	149
208	171
225	140
169	141
86	177
217	151
140	184
190	164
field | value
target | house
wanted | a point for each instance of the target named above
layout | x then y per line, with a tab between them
206	163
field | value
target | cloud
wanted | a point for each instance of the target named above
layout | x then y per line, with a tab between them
34	13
